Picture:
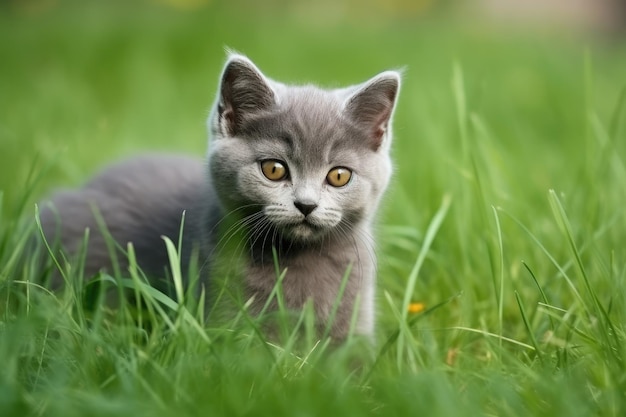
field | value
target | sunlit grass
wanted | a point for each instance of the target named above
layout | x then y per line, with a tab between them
504	223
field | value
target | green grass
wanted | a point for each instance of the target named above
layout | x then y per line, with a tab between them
505	218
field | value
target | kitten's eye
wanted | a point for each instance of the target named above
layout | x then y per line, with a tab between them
338	177
274	170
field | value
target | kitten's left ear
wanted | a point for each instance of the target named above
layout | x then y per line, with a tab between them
371	106
244	91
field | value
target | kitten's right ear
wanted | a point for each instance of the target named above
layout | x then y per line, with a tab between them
372	105
243	91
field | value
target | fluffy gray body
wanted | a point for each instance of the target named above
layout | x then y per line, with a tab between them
139	200
299	169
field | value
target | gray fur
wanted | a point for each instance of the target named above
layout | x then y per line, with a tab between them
309	129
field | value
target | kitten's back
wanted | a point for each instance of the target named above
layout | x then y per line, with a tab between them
139	200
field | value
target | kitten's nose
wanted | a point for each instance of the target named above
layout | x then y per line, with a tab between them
305	208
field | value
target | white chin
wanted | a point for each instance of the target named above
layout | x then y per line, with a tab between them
303	232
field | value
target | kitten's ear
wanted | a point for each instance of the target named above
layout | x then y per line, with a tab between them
371	106
243	91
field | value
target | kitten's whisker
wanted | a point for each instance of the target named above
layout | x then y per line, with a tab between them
351	234
266	234
213	230
251	228
276	242
233	230
262	230
236	227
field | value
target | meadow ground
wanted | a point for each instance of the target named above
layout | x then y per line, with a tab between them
505	220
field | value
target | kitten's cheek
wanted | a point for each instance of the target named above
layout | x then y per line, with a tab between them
249	186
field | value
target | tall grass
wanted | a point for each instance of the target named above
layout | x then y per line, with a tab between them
505	221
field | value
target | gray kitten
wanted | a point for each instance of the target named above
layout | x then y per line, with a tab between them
295	168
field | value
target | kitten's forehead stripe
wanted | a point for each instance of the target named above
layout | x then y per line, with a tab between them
318	118
287	138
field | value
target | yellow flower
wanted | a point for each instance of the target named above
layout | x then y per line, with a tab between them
416	308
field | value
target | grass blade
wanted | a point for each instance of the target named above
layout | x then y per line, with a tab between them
498	284
177	275
337	302
528	328
429	237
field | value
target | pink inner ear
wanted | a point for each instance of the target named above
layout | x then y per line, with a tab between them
380	127
228	118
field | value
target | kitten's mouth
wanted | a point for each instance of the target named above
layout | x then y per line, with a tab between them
310	224
305	230
299	228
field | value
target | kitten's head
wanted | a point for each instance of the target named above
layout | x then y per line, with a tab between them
300	161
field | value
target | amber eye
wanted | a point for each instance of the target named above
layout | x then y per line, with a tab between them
274	170
338	177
